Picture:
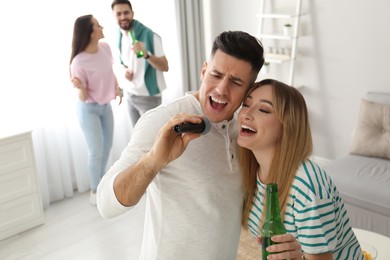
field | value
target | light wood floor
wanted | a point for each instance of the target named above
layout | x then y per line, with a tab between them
74	229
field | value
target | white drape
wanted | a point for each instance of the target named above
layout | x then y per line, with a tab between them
61	152
191	37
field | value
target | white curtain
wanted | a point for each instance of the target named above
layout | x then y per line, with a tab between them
35	91
61	152
191	36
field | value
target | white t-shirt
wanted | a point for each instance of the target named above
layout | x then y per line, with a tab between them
194	205
137	65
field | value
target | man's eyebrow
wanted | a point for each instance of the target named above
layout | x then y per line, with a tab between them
216	71
123	12
236	79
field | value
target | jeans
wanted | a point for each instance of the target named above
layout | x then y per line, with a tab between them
97	123
138	105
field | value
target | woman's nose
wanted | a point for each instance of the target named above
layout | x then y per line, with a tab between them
249	113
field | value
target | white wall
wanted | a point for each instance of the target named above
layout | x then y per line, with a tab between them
345	54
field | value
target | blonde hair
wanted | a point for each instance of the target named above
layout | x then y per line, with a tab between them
294	146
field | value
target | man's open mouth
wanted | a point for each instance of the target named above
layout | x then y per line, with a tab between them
217	104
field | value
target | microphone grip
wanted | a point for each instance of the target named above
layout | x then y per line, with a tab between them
189	127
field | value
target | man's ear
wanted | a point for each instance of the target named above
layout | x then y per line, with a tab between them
203	70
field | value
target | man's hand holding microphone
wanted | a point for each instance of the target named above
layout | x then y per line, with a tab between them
175	135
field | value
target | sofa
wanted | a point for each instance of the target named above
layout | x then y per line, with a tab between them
363	175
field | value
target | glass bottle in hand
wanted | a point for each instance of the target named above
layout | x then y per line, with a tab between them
140	54
273	224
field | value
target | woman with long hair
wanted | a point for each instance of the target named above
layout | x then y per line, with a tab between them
92	75
275	145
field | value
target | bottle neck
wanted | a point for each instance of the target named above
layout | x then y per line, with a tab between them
131	34
272	203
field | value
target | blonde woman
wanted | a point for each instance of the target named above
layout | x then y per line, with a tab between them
275	140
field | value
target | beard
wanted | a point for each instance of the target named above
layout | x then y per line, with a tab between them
125	24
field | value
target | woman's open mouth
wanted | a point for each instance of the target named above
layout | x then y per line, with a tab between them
247	129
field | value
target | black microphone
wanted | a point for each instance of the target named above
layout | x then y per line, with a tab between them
201	128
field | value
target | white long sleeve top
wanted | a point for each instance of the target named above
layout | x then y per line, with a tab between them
194	205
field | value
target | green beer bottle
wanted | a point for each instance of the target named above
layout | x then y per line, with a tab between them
140	54
273	224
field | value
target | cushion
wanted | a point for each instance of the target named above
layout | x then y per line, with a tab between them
378	97
372	135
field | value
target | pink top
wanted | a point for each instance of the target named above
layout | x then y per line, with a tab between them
96	73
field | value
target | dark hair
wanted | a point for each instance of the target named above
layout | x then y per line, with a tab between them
117	2
82	31
242	46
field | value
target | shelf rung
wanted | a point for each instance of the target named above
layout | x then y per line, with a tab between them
276	58
283	16
279	16
277	36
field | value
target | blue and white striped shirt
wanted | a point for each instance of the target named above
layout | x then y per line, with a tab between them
315	214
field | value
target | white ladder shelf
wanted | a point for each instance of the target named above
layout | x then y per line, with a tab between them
272	54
